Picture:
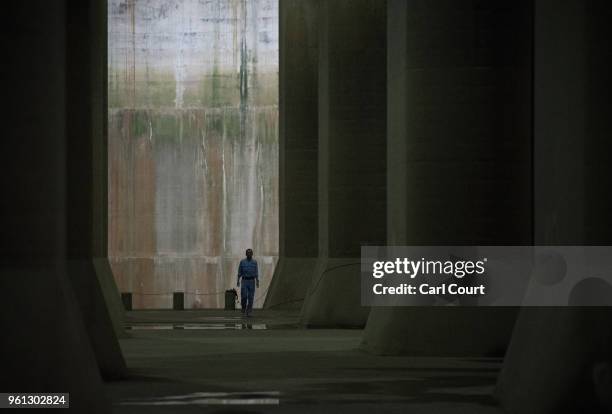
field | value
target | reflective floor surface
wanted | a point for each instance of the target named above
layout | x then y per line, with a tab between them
216	361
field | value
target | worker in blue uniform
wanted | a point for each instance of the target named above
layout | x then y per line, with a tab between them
248	271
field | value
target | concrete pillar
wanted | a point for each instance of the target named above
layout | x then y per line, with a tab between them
549	366
45	346
298	143
351	156
459	156
86	183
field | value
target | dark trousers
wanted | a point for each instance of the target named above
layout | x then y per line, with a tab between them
247	294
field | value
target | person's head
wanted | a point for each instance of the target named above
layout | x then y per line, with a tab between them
249	253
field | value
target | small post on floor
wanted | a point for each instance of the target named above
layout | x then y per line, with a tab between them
230	299
178	301
126	299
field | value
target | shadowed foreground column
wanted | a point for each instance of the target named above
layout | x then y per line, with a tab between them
351	156
45	344
459	156
552	361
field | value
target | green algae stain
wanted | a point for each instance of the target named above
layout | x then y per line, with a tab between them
218	90
161	92
141	124
231	123
166	127
153	89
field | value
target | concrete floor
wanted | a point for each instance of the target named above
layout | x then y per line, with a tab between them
215	361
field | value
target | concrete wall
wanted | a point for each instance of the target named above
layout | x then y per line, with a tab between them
193	136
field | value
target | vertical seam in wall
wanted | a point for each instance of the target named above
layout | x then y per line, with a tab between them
323	128
532	122
281	131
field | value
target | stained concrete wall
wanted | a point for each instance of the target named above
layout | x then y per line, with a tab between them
59	333
351	156
459	156
193	136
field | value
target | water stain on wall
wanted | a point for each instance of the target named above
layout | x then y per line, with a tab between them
193	146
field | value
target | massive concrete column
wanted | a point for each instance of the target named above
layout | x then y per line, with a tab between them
351	156
298	143
86	183
459	156
45	345
549	366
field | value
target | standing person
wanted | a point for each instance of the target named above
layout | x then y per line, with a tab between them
247	270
